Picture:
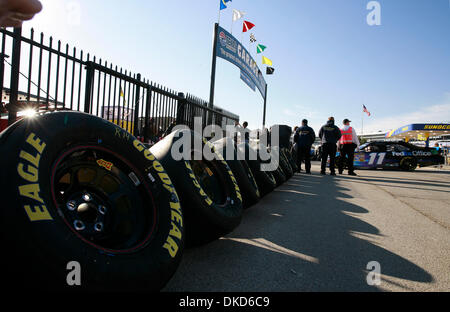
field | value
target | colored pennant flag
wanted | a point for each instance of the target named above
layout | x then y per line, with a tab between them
237	15
260	48
366	111
223	4
247	26
252	38
270	70
266	61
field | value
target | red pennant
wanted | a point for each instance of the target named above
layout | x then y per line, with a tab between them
247	26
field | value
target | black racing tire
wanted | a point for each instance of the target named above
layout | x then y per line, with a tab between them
285	165
277	159
241	170
408	164
279	176
209	193
63	173
265	179
291	160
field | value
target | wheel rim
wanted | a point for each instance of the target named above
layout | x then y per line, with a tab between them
102	199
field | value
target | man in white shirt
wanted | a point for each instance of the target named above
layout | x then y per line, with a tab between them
347	145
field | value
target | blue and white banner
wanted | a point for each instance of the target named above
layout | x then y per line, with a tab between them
230	49
248	81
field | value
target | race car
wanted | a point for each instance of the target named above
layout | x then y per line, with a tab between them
395	155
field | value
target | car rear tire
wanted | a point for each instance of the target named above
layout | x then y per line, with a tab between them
408	164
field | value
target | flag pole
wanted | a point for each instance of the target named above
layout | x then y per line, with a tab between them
362	122
213	75
265	106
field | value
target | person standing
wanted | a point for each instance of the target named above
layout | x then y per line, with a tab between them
243	131
347	145
304	138
330	135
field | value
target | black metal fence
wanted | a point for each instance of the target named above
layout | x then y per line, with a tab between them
48	76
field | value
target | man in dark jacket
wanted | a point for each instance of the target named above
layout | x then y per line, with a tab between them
330	135
304	137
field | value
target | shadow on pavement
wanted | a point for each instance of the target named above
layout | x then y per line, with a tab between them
302	237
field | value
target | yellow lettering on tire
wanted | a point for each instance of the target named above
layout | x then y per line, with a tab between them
36	143
175	232
31	191
171	247
39	213
30	175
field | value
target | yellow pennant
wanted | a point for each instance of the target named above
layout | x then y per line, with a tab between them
265	60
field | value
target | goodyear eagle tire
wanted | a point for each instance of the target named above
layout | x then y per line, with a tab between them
241	170
265	179
209	193
80	193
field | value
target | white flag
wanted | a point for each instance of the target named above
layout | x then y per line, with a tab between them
237	15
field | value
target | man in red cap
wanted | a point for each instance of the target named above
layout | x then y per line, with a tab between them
347	144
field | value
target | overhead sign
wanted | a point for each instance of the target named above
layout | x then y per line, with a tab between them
248	81
230	49
420	129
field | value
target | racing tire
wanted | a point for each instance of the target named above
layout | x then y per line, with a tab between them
291	160
80	192
265	179
278	173
285	165
408	164
209	193
279	176
241	170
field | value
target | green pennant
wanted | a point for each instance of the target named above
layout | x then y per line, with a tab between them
260	48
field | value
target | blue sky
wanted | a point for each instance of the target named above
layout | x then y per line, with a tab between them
328	61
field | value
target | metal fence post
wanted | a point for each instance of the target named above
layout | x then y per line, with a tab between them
15	72
148	102
136	107
90	70
181	108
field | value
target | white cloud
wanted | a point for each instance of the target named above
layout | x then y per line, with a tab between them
439	113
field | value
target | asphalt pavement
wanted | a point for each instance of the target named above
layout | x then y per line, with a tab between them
319	233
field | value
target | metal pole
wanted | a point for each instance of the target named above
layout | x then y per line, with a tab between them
265	106
362	124
213	74
15	67
90	70
137	104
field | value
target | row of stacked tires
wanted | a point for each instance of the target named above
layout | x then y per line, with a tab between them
78	189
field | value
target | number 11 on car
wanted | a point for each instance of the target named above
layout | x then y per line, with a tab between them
373	158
